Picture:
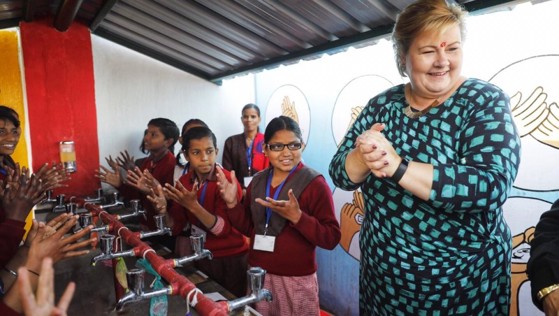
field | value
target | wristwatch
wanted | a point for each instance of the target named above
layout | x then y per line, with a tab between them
399	173
547	290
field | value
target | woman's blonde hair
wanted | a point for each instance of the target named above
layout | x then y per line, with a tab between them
424	15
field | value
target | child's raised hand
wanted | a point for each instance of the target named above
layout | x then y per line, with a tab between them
42	303
157	199
53	177
108	176
52	242
150	180
182	195
227	188
137	179
20	194
287	209
126	161
112	163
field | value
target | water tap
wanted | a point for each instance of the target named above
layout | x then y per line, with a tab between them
71	207
255	276
136	208
106	245
135	279
84	220
197	242
115	203
59	207
100	229
161	228
48	198
95	200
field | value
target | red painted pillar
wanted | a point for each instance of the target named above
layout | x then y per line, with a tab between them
60	90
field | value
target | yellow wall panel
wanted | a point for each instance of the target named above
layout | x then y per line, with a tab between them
11	90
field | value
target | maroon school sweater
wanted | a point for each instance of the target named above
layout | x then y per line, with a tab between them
294	252
229	241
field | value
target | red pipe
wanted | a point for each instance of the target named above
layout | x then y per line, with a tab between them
164	267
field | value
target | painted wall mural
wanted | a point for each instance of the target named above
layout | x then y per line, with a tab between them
290	101
534	98
349	104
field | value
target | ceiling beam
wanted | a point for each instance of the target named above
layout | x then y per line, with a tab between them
29	8
107	7
4	24
66	14
329	47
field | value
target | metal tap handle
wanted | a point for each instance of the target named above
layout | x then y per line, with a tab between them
197	242
60	200
135	205
71	207
107	243
255	277
49	195
159	221
115	197
135	279
85	220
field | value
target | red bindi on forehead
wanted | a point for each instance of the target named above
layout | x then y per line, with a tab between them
443	44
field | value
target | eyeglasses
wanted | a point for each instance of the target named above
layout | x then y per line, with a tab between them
280	147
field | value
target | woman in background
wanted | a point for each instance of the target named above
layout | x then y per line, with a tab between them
244	153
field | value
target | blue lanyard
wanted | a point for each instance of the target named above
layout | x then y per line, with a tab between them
203	195
276	194
249	156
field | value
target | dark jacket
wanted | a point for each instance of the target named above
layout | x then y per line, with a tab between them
543	266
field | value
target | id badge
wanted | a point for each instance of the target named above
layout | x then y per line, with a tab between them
195	230
247	181
264	243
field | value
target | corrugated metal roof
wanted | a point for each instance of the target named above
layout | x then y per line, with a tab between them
216	39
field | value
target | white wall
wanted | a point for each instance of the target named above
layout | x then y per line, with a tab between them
131	89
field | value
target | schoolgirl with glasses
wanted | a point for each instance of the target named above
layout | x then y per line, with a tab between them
287	212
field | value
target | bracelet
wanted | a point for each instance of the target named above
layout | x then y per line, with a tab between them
35	273
12	272
547	290
399	173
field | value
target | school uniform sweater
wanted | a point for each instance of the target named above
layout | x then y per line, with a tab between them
5	310
11	231
295	244
223	240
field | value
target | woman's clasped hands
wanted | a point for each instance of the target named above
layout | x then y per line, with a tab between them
376	152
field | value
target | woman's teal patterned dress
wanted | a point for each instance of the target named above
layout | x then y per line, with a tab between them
450	255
